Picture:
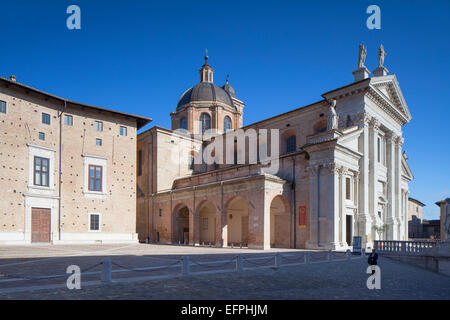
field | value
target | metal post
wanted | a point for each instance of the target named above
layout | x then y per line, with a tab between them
330	255
363	253
185	265
278	260
106	270
349	254
308	257
239	263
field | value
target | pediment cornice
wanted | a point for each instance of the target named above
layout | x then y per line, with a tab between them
386	105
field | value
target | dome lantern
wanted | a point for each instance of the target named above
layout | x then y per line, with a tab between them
206	72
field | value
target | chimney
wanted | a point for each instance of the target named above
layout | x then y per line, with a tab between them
13	78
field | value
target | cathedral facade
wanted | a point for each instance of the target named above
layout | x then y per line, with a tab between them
340	171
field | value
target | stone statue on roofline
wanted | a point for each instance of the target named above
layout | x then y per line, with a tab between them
362	56
381	55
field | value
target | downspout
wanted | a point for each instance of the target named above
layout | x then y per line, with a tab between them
153	192
60	168
295	203
318	205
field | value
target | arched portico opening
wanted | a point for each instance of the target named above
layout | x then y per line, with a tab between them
237	222
279	222
207	223
181	224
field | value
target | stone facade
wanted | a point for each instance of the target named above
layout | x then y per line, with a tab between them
37	125
331	183
415	219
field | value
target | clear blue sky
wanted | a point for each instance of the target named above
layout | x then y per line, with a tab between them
140	56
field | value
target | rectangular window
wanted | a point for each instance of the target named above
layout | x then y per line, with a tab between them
291	144
160	212
98	142
94	223
123	131
95	178
205	223
42	136
139	163
68	120
45	118
41	171
98	126
348	191
2	106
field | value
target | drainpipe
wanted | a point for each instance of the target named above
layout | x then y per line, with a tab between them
60	166
295	203
318	205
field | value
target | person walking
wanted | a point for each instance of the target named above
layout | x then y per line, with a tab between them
373	259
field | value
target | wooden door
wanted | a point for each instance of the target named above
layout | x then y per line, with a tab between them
40	225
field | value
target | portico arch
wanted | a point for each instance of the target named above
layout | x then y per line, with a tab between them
207	222
279	222
180	220
237	221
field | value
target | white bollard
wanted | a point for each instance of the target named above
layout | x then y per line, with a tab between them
106	270
239	263
185	265
278	260
308	257
330	255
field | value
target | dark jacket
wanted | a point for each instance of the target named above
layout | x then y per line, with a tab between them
373	257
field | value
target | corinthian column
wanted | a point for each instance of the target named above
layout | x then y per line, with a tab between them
390	187
373	169
398	181
364	217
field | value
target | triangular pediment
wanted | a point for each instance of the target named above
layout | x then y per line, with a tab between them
388	88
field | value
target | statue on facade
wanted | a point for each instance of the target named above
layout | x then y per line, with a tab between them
362	56
332	116
381	55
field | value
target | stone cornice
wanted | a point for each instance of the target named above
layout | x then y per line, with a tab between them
386	106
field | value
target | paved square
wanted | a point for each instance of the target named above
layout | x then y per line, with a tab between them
212	276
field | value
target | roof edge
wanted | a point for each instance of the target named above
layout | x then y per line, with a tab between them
141	121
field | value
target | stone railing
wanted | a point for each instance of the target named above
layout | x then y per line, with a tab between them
416	247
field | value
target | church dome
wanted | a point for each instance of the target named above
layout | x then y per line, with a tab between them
206	92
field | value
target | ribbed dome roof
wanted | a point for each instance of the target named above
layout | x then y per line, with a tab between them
205	91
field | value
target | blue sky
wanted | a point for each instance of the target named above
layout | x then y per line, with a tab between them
140	56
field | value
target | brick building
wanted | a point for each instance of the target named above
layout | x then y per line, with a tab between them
67	169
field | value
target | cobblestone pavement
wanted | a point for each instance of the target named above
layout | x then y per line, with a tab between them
27	267
332	280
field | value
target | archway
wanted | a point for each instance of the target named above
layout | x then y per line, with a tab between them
207	223
279	222
237	222
181	225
